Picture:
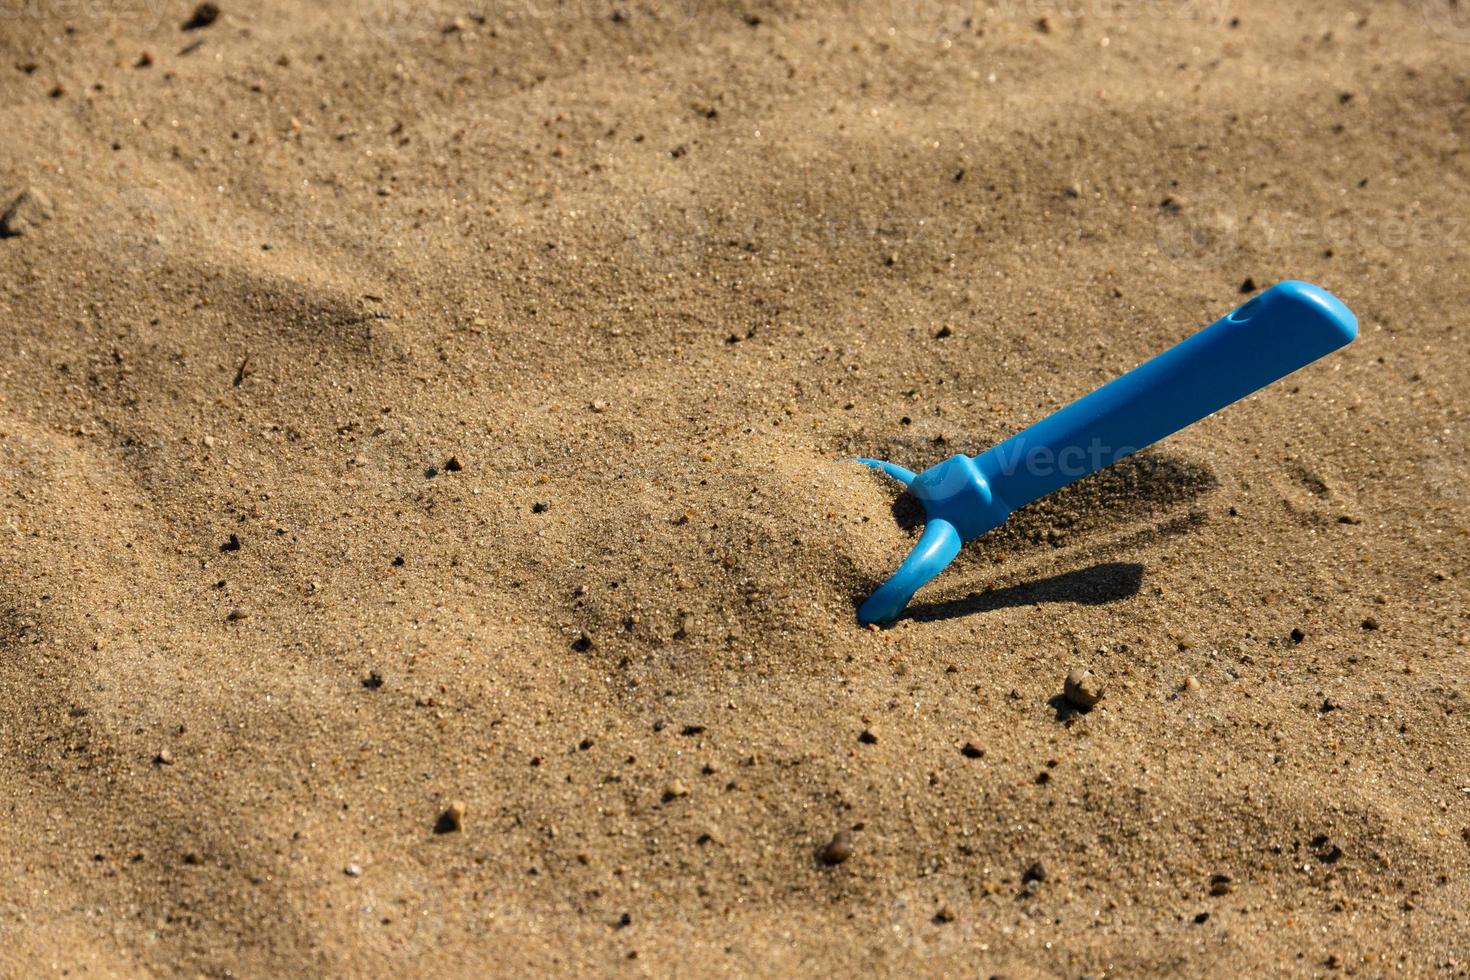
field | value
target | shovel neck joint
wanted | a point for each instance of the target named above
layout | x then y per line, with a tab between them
956	491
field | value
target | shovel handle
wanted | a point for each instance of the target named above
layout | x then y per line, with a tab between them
1284	328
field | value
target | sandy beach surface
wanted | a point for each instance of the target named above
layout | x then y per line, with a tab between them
425	547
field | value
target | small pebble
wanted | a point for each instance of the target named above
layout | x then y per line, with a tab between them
1298	634
452	819
454	464
1221	885
540	507
352	871
1370	623
237	614
1191	684
204	15
1037	872
972	751
163	758
1082	689
838	849
27	210
867	737
675	790
944	915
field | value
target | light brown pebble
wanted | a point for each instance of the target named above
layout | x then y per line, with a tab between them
452	819
27	210
163	758
1083	689
837	850
352	871
675	790
1191	683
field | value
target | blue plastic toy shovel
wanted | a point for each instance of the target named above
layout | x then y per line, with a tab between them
1284	328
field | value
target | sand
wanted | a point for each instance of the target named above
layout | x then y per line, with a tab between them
647	274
